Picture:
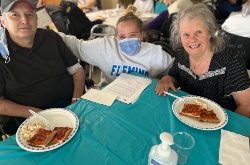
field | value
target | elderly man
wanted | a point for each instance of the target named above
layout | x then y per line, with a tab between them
40	71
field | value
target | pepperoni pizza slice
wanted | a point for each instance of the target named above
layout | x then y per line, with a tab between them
193	110
61	135
208	116
41	138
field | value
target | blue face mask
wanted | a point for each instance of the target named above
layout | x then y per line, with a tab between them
130	45
3	45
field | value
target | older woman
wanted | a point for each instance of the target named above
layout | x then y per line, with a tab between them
203	66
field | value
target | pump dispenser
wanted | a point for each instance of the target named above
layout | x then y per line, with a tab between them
162	153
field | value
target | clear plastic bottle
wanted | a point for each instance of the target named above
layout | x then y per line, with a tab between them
117	9
162	153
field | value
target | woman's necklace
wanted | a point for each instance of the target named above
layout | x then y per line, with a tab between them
199	64
195	66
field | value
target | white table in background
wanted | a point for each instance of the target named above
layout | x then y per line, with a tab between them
111	17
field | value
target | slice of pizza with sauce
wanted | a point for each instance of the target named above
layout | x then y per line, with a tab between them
193	110
41	138
208	116
61	135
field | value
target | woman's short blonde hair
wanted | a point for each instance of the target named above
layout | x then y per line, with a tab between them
197	11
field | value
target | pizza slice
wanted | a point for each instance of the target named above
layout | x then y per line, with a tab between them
208	116
193	110
61	135
41	138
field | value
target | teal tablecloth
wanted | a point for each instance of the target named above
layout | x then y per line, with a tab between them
124	134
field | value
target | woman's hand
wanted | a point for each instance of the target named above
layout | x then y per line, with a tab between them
164	84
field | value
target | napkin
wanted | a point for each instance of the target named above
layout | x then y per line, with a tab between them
100	97
234	149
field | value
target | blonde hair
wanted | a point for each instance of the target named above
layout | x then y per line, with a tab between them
130	10
129	15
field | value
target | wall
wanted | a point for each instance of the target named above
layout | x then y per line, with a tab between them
109	4
125	3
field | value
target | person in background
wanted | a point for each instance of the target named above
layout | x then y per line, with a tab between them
124	53
86	5
178	5
81	24
238	23
203	66
226	7
174	6
37	71
156	23
145	6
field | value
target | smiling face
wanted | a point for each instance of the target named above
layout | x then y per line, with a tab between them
21	21
195	37
128	29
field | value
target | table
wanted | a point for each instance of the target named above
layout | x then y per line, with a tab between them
124	134
111	17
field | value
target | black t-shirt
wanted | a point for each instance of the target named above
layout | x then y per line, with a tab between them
38	76
227	73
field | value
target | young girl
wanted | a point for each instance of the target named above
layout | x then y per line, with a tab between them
124	53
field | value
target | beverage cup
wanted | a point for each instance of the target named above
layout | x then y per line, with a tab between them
183	144
110	13
95	9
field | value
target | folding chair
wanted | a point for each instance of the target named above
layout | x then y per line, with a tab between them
60	19
94	35
239	43
44	20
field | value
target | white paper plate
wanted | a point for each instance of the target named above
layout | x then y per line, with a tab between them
58	116
194	122
103	12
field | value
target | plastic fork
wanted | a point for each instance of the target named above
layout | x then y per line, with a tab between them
47	123
174	96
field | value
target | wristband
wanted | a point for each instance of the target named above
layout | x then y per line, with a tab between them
75	99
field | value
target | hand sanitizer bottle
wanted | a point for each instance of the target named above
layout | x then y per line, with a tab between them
162	153
117	10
